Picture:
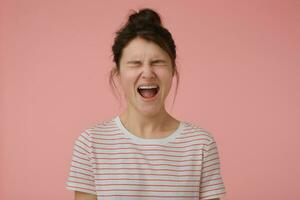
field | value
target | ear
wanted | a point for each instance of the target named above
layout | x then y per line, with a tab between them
115	72
173	71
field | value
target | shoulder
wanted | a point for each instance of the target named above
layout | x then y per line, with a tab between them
196	130
104	127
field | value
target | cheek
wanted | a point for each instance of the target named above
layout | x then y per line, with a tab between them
165	76
168	84
127	81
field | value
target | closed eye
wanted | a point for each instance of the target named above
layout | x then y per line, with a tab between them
133	63
160	62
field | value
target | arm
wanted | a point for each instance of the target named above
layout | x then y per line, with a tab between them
84	196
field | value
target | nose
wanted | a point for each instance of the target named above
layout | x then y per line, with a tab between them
147	72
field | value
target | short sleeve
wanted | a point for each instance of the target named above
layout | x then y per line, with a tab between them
81	173
211	185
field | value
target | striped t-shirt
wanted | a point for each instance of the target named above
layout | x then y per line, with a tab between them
114	164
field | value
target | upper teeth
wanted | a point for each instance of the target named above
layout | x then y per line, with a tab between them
148	86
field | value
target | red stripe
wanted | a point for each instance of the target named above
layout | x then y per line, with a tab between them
213	149
151	196
104	130
81	168
192	136
142	174
129	148
77	177
109	134
211	170
188	141
82	135
88	165
97	135
221	183
74	155
217	194
140	179
160	164
146	145
216	173
210	165
81	148
128	184
75	150
214	189
217	158
70	181
189	129
84	144
107	127
147	159
81	188
76	172
121	138
210	154
174	170
208	145
147	190
133	153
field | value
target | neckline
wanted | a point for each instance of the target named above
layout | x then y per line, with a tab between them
141	140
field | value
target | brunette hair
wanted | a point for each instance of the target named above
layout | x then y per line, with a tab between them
146	24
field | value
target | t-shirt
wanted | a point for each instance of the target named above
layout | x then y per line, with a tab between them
114	164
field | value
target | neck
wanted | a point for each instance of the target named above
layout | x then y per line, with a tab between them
145	126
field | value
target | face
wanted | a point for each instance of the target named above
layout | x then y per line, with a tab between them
145	75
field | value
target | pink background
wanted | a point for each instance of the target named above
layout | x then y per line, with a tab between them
240	79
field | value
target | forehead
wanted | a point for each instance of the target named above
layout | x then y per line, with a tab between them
140	48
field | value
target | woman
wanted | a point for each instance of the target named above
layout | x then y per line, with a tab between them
145	153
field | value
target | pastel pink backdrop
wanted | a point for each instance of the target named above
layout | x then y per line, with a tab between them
239	65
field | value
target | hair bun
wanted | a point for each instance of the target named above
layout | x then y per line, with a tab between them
144	17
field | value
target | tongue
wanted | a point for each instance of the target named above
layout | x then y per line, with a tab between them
148	93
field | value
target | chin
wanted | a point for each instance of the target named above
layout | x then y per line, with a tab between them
150	111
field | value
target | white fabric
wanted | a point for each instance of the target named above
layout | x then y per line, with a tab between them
114	164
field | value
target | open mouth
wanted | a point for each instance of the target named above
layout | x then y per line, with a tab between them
148	91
